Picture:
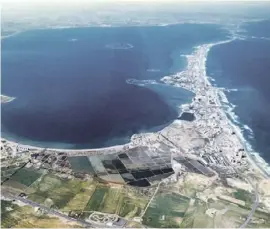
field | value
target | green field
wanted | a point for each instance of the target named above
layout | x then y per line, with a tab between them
96	203
26	176
58	190
244	195
47	183
131	204
130	209
13	215
127	207
7	171
21	180
79	201
166	210
6	216
113	200
76	194
195	216
81	164
15	186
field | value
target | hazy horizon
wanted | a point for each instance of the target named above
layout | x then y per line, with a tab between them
20	15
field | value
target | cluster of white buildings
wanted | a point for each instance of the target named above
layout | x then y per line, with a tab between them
224	146
11	149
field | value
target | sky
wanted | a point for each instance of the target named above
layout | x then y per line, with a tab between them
19	9
43	4
82	2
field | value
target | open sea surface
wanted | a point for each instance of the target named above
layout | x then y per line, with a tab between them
244	65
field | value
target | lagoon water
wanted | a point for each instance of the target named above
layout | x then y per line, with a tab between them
70	84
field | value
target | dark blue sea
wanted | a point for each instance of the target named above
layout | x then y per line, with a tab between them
245	65
70	84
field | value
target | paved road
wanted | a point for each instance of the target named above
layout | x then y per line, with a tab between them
255	203
254	207
52	211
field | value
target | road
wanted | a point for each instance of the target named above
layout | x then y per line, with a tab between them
149	202
254	207
52	211
255	203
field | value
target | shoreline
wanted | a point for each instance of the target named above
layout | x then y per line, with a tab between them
31	147
194	78
253	157
257	161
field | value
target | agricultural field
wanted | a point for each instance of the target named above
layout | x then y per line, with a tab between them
111	200
186	212
26	176
13	187
132	205
260	220
229	214
79	201
96	202
58	192
81	164
7	171
76	195
132	224
192	203
195	216
198	202
244	195
166	210
115	200
13	215
21	180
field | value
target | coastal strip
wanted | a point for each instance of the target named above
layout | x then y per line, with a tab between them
211	114
18	147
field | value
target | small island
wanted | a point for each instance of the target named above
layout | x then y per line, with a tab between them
119	46
6	99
